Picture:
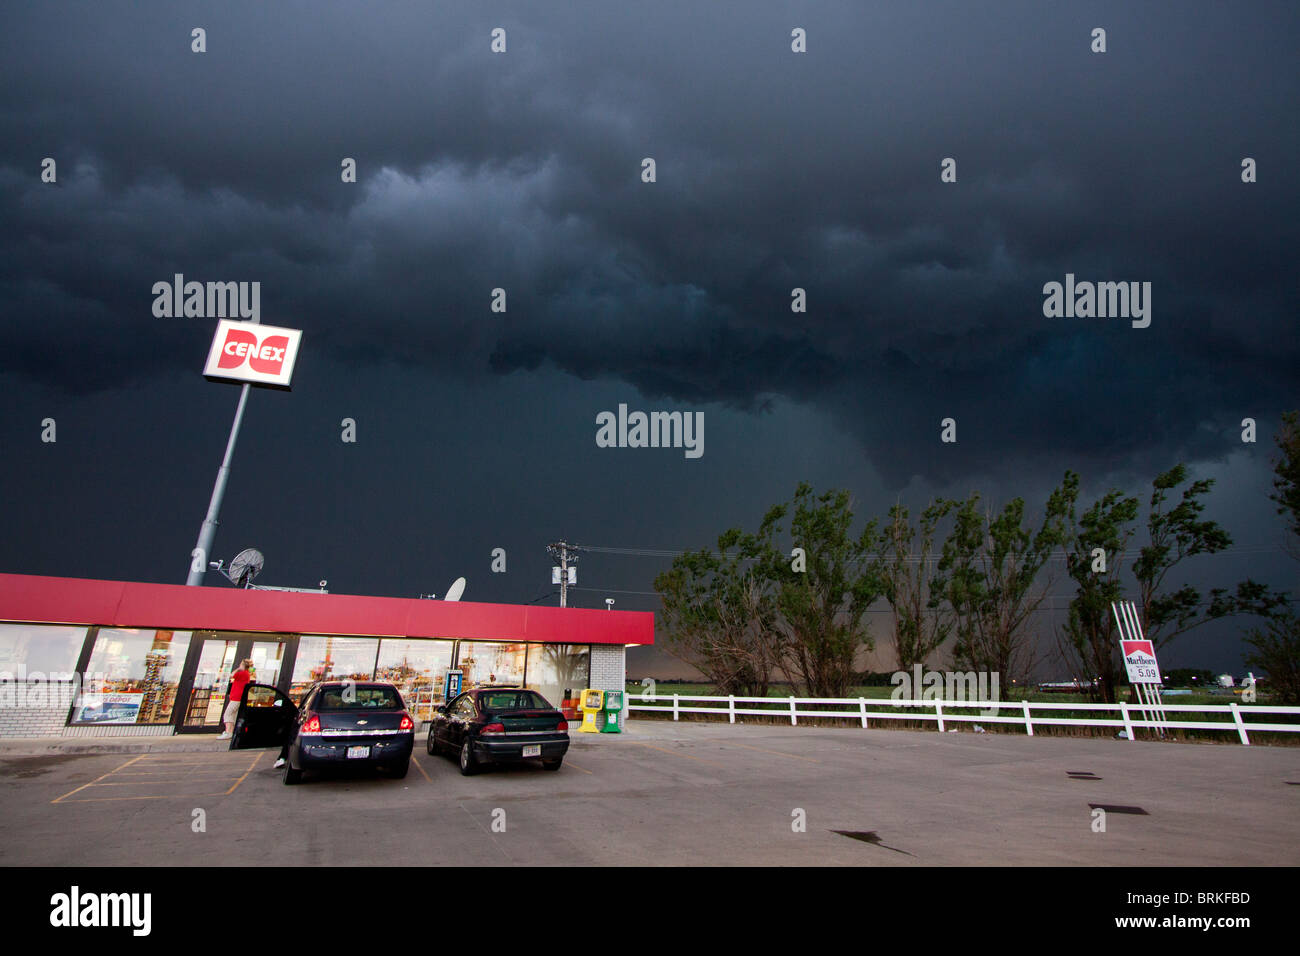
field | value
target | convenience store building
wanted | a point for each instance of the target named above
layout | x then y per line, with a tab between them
83	657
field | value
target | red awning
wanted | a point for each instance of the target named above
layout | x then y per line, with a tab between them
37	599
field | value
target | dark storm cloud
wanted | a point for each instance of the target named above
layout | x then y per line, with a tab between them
775	171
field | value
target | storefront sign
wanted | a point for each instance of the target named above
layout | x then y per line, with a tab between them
109	708
248	352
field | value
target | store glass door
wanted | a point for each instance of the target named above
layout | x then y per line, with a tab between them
213	657
205	689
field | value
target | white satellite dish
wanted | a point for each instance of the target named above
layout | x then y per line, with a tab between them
455	591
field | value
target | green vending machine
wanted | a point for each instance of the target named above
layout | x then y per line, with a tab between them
613	712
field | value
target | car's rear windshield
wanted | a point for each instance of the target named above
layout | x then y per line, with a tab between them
513	700
358	697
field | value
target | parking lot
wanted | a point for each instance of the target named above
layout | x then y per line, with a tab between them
668	794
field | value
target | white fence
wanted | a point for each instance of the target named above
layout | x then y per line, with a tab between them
1239	718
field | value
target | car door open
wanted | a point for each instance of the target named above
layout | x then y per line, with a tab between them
265	718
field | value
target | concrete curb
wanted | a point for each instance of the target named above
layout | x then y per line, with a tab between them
43	746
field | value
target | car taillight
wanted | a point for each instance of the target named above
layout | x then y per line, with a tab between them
493	729
312	726
562	725
407	723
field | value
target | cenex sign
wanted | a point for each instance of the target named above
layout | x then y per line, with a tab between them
248	352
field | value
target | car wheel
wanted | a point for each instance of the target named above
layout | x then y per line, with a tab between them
430	745
291	776
468	765
553	764
399	771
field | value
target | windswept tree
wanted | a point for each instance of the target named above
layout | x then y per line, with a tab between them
822	600
719	613
1286	480
1275	649
913	585
1094	547
1176	534
992	565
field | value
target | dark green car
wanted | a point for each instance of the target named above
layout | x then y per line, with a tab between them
490	725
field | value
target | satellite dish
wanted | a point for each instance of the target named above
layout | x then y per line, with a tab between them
245	567
455	591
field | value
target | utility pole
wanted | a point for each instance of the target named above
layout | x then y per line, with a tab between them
567	555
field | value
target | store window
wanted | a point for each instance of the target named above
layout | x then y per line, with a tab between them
418	668
39	651
332	658
132	677
558	671
486	663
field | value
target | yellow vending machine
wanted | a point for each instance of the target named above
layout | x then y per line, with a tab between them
593	701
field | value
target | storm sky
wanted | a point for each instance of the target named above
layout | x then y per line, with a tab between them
522	170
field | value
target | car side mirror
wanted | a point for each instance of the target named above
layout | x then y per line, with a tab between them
442	709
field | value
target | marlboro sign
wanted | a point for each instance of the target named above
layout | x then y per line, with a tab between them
1140	661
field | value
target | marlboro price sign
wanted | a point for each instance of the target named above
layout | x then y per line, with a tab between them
1140	661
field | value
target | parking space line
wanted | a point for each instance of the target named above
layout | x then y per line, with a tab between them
187	773
674	753
421	769
166	796
779	753
570	763
256	758
99	778
149	783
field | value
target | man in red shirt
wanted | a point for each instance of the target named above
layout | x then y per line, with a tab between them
238	681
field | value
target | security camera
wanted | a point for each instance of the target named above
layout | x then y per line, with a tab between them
609	602
215	565
323	583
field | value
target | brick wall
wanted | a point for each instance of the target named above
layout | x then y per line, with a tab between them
34	708
608	666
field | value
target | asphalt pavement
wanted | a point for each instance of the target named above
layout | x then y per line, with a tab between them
666	794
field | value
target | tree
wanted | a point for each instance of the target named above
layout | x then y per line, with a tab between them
822	607
1277	646
1089	639
1286	481
992	564
913	585
1175	535
719	613
1277	654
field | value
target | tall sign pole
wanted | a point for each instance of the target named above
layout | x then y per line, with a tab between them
263	356
208	530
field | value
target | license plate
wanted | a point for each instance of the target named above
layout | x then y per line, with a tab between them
532	750
358	752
